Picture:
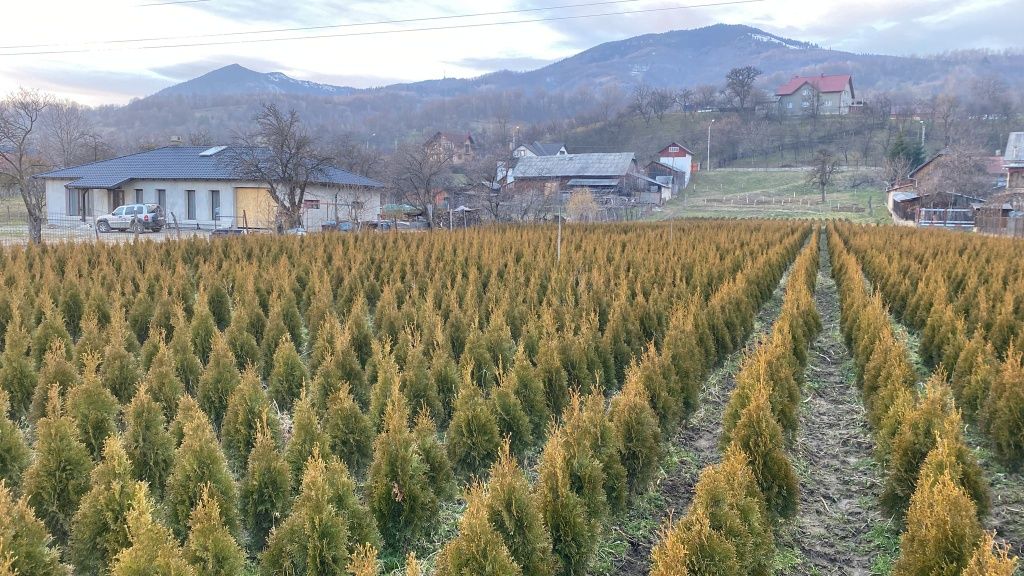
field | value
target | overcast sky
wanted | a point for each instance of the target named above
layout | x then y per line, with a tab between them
114	72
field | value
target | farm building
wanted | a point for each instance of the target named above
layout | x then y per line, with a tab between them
540	149
614	174
673	168
199	187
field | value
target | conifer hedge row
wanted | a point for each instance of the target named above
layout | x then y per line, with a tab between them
933	482
964	295
297	404
728	528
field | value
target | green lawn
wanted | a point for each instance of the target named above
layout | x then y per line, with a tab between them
778	194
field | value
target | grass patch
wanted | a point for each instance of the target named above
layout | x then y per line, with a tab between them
885	539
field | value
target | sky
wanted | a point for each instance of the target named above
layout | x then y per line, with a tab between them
110	51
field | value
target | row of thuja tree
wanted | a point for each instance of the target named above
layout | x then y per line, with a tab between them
299	405
604	451
738	502
965	297
933	484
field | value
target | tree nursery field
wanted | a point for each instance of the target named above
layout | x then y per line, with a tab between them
677	398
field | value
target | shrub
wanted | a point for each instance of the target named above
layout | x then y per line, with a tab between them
589	434
514	514
552	376
187	365
17	374
574	526
15	455
991	559
306	435
473	436
198	462
57	372
25	545
692	547
530	391
94	410
759	437
349	430
100	526
314	538
361	526
637	433
201	330
121	372
952	457
478	549
364	562
210	547
49	332
59	475
163	382
510	415
149	446
219	379
398	488
244	349
219	304
265	492
288	375
942	531
248	411
439	468
153	550
1005	411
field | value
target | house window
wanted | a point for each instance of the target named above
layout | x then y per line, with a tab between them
673	148
214	204
789	105
74	209
805	104
161	198
467	148
138	196
804	93
190	196
828	102
311	203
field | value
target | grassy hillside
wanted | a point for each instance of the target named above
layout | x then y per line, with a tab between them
779	194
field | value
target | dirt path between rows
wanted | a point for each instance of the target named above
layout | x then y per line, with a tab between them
840	529
697	445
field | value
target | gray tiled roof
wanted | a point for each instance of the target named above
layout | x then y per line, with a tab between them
596	182
545	148
176	163
574	165
1014	150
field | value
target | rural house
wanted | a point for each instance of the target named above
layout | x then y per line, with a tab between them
198	186
811	95
615	174
672	169
540	149
1013	161
457	145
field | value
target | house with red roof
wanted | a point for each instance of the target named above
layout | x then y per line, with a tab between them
814	95
456	147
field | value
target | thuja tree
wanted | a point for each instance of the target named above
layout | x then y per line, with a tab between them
198	462
637	433
439	468
154	551
121	371
399	493
25	545
14	452
991	559
1005	410
349	430
211	549
306	435
287	376
149	445
100	526
314	538
57	373
515	515
473	435
345	498
163	382
265	492
219	379
942	530
478	549
94	409
248	410
17	374
59	475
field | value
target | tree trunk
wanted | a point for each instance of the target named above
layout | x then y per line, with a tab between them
823	194
292	217
35	229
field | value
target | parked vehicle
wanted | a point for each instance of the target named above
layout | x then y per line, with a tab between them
133	217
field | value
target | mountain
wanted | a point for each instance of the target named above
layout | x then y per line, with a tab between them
235	80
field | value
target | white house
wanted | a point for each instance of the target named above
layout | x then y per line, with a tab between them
198	186
540	149
672	169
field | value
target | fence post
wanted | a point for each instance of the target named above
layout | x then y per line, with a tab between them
176	227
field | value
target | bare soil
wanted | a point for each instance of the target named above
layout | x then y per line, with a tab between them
839	529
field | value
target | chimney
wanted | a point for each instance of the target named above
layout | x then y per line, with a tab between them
175	140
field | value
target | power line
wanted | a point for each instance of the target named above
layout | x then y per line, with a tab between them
382	32
320	27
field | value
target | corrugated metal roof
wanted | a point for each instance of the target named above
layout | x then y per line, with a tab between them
820	83
574	165
597	182
1014	155
904	196
546	148
176	163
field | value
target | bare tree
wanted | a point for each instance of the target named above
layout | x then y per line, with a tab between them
67	133
661	101
705	96
417	171
284	157
685	99
354	154
200	137
641	102
21	116
823	171
739	85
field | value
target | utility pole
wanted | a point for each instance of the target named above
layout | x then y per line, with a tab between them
922	133
709	144
559	227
